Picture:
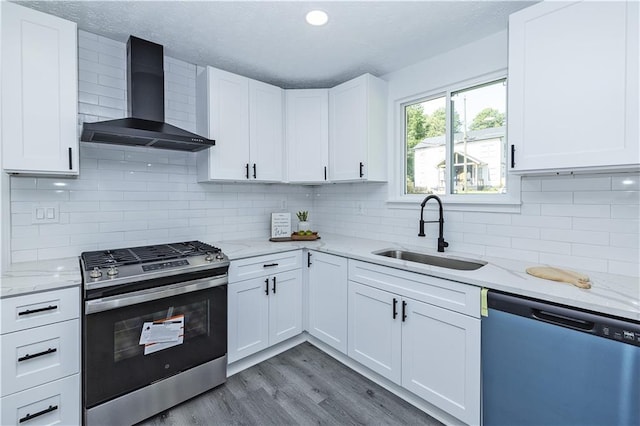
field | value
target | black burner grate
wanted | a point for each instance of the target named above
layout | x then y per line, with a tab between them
144	254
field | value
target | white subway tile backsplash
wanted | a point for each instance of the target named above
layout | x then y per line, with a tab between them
623	254
575	183
607	197
578	263
626	182
631	240
541	245
624	268
607	225
575	210
575	236
624	211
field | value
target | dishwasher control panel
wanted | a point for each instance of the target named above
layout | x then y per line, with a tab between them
619	333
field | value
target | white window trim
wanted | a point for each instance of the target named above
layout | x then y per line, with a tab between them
397	199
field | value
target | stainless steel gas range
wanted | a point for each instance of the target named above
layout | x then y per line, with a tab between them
154	329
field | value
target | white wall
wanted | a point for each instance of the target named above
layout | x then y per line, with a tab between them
134	196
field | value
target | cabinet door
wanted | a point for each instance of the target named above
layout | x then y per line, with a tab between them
328	299
347	130
374	335
55	403
285	306
39	355
39	92
266	132
307	135
248	325
229	125
441	359
573	85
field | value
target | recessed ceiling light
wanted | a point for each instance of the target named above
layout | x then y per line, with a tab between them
317	17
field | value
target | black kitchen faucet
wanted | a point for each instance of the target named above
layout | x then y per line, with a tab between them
441	242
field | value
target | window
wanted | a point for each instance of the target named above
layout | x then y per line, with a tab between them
455	142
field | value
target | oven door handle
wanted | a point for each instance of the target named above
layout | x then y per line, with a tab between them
147	295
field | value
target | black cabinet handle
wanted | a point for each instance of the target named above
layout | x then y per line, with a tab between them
513	156
395	308
268	265
255	175
274	285
266	286
38	414
70	159
325	172
361	169
28	356
309	259
404	310
34	311
247	170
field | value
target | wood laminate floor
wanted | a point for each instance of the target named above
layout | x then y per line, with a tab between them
302	386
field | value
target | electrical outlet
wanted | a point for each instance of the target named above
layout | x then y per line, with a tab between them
283	204
360	208
45	213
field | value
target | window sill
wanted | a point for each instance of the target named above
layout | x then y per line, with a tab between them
459	203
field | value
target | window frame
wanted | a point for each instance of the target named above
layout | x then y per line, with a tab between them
508	202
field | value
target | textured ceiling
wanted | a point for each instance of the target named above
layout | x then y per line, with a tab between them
271	42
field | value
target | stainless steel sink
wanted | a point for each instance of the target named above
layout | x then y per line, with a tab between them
442	262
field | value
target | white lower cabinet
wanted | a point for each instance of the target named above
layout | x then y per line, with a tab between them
429	350
441	359
40	352
54	403
375	334
328	299
266	309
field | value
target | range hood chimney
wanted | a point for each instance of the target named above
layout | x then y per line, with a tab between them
145	124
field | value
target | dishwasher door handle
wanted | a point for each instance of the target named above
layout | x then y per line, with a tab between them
562	320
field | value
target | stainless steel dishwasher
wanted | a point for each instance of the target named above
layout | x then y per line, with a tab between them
545	364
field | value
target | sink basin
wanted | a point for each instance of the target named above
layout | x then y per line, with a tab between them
442	262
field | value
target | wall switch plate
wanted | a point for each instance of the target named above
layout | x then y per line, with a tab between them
43	213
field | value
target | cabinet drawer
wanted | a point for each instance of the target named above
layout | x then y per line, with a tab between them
34	310
54	403
447	294
39	355
253	267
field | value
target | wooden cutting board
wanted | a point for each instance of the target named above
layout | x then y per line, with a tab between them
562	275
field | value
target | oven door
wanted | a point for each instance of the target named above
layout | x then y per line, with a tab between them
115	361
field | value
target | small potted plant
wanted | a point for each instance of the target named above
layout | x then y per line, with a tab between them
303	225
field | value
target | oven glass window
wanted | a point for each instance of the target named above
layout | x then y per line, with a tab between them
126	333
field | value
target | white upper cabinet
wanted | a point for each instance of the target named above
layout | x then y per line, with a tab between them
357	130
307	135
245	118
39	92
573	86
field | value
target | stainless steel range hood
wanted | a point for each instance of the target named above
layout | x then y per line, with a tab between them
145	125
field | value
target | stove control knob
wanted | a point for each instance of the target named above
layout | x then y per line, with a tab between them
95	273
113	271
208	257
219	256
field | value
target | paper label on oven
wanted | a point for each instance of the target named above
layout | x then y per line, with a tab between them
163	334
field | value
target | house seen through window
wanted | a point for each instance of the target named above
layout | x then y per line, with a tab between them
456	143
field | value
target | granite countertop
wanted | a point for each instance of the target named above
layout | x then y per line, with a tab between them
36	276
610	294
